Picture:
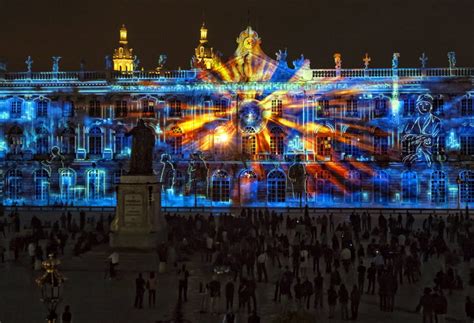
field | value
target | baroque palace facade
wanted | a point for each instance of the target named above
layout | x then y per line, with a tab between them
250	130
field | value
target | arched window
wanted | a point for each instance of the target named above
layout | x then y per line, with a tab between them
95	141
381	186
220	107
277	107
42	108
324	187
467	186
148	107
41	178
67	183
438	187
276	186
380	107
13	183
220	186
353	187
248	186
95	184
409	187
68	140
249	141
277	138
175	141
351	146
94	109
42	140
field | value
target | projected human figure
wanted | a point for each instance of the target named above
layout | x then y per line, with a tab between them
423	132
297	175
168	173
198	174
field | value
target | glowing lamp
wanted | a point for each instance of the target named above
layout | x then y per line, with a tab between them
395	106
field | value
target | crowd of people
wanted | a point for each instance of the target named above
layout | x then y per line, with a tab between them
317	264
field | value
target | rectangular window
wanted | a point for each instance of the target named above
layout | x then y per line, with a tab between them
409	107
42	109
324	146
438	106
352	110
15	109
467	145
276	145
467	106
249	144
277	107
121	108
220	108
68	109
324	109
439	145
94	109
148	107
175	109
380	109
380	145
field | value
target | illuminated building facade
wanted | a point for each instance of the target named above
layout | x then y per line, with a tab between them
250	130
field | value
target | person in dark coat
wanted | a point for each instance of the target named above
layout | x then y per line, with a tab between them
308	291
254	318
371	274
318	290
426	303
343	300
66	317
355	301
139	291
229	295
469	308
361	270
332	300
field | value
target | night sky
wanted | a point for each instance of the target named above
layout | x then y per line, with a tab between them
88	29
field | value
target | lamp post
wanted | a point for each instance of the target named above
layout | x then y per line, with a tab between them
51	283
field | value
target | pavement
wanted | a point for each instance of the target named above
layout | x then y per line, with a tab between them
94	299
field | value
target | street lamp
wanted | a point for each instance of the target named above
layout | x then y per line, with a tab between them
51	283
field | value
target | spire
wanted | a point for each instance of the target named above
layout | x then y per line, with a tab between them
123	35
203	39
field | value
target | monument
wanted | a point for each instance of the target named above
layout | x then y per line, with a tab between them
138	222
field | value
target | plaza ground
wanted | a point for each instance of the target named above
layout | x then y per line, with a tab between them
94	299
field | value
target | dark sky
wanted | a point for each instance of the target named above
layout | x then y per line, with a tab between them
88	29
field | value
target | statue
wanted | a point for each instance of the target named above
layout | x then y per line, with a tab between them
423	59
298	63
198	172
142	149
281	55
29	64
136	63
421	134
162	61
82	65
366	60
395	58
452	59
108	63
337	61
56	60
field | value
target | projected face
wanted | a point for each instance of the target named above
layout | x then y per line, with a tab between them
251	115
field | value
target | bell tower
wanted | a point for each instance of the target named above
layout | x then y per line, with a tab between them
123	58
204	56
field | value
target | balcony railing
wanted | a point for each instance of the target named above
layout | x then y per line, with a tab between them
388	72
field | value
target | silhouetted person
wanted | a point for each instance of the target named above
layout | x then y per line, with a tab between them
355	301
229	295
67	316
139	291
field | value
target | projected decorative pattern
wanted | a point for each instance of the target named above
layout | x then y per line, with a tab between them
247	131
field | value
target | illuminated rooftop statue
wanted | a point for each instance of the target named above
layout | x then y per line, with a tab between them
204	56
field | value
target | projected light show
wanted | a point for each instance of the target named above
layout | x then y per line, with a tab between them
248	130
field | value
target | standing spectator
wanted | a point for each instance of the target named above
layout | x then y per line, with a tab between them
254	318
426	302
371	274
215	293
343	300
2	252
183	275
298	288
469	309
139	291
67	316
151	286
361	270
204	292
229	295
82	220
318	291
440	306
355	301
261	268
307	291
32	253
113	262
332	301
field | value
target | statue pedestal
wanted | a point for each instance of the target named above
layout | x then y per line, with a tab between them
138	223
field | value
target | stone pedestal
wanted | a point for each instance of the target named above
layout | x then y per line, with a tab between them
138	222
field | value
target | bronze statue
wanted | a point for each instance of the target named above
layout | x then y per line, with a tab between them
142	149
